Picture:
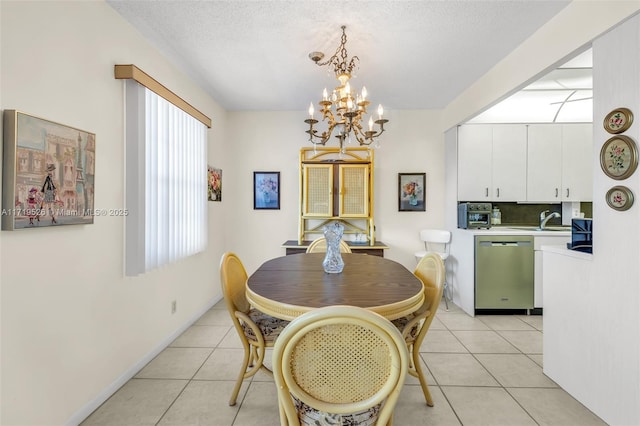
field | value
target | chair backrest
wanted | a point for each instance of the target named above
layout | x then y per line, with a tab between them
431	272
319	245
436	240
341	364
233	278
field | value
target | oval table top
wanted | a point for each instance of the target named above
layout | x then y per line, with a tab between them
288	286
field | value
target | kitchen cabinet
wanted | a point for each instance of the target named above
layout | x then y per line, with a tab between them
559	162
492	162
336	186
577	162
538	242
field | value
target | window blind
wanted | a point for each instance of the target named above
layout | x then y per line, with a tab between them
166	182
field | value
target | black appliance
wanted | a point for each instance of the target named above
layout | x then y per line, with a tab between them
581	235
474	215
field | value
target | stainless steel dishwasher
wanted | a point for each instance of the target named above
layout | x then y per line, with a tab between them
504	271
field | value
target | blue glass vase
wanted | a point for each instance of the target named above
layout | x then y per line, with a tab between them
333	263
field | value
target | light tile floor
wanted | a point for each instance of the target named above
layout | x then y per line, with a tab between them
485	370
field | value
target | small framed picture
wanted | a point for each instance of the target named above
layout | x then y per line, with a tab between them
619	157
411	192
618	120
266	190
215	184
620	198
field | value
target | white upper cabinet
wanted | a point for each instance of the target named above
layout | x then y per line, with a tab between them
509	162
560	166
544	156
474	162
577	162
492	162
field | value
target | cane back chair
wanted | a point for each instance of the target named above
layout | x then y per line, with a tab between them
319	245
339	365
256	330
414	327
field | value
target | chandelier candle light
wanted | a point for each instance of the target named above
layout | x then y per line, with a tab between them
342	109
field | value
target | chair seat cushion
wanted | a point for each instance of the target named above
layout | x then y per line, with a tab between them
402	322
309	416
271	327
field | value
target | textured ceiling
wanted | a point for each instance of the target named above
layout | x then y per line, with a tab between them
253	55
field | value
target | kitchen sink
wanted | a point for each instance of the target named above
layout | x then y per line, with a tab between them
546	228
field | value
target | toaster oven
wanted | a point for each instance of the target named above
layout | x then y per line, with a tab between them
474	215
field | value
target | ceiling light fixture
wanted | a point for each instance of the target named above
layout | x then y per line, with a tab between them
342	109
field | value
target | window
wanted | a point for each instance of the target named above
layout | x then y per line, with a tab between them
166	181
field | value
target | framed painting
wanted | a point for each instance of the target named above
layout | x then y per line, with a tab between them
620	198
411	192
266	190
619	157
618	120
214	177
48	174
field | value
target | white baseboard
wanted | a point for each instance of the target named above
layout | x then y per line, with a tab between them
92	405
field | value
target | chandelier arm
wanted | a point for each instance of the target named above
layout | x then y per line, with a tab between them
326	135
327	114
360	136
321	139
353	63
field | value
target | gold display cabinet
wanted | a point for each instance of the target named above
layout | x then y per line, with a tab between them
335	186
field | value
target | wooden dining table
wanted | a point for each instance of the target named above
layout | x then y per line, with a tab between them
288	286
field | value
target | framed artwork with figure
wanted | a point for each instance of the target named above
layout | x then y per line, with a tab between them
266	190
411	192
48	174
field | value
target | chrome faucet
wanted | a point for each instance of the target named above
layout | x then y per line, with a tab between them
544	218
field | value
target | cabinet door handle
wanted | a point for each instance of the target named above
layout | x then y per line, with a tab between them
556	192
567	192
486	192
497	192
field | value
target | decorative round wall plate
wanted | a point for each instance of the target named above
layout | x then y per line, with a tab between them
620	198
618	120
619	157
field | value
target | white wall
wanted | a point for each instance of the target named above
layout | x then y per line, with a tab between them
598	361
72	326
271	141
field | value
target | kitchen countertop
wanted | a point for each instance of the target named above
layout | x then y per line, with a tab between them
564	251
519	230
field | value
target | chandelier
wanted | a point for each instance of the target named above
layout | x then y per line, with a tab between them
342	110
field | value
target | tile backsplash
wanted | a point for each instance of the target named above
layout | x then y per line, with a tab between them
529	214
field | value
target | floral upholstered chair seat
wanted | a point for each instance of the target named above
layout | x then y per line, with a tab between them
269	326
402	322
309	416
